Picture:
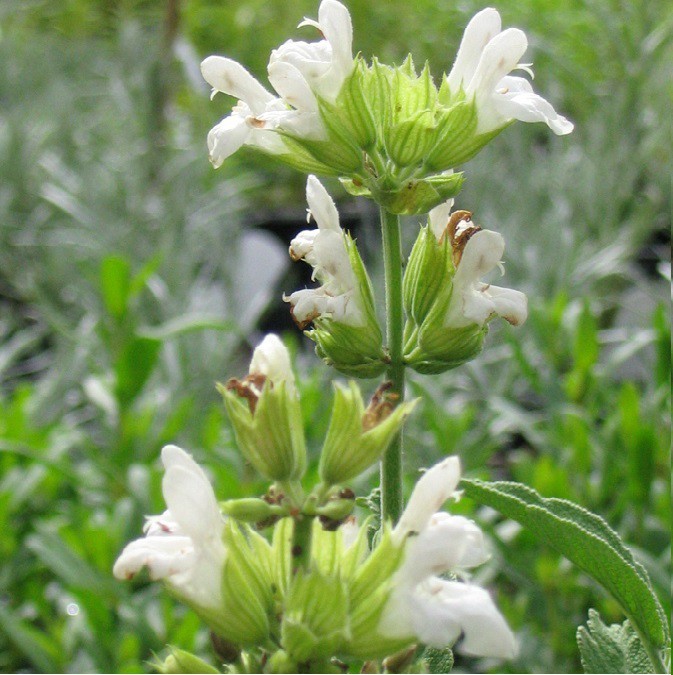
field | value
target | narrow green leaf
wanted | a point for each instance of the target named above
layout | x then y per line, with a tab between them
187	323
134	367
32	643
68	565
115	281
587	541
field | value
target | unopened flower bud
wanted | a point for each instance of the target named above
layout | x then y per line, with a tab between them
180	661
265	412
249	510
336	510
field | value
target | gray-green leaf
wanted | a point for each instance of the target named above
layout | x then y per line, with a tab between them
611	649
587	541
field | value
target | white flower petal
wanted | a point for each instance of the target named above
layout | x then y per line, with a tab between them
306	125
396	619
447	544
325	250
438	218
230	77
485	631
292	86
333	266
335	23
311	59
500	56
434	487
481	29
272	360
192	502
482	253
163	557
225	138
530	107
172	456
306	304
432	623
161	526
302	245
474	302
511	305
321	205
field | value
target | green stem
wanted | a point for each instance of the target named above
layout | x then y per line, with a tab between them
301	542
391	464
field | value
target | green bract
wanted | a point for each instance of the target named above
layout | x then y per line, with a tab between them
357	437
334	605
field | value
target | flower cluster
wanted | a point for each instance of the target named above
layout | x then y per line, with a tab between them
289	579
447	305
373	603
299	72
389	133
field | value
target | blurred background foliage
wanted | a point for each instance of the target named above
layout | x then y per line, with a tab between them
132	276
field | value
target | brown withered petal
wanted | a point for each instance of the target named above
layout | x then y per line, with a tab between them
249	388
382	404
306	322
455	219
460	240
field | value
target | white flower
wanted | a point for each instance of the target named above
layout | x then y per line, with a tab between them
424	607
245	125
325	250
473	301
272	360
485	58
298	69
184	545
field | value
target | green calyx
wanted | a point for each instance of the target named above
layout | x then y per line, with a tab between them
358	437
431	346
391	135
354	350
330	604
315	619
268	427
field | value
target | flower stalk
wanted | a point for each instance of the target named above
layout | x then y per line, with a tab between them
391	464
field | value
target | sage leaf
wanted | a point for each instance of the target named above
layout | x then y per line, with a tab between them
611	649
588	542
